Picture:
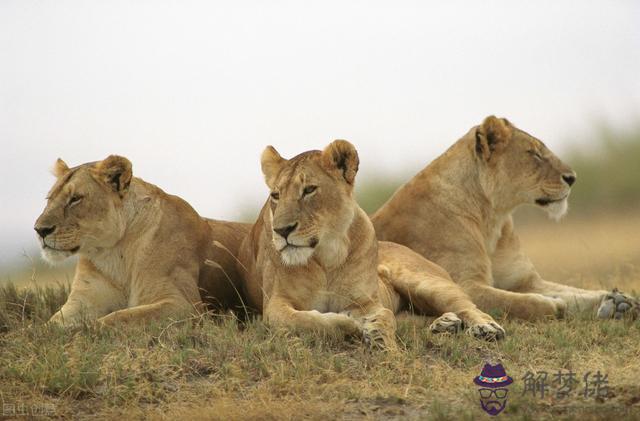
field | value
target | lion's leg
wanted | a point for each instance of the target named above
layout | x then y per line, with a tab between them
516	273
436	295
279	313
92	296
378	325
429	288
577	299
174	307
388	295
156	296
473	272
513	271
527	306
610	304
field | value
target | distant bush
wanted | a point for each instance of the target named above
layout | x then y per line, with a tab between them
374	192
609	173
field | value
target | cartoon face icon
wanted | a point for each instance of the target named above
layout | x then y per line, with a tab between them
493	401
493	382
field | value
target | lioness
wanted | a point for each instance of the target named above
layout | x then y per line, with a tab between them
458	213
311	259
141	251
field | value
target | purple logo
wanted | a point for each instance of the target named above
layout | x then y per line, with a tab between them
493	382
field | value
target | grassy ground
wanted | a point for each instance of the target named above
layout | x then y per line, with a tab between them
212	367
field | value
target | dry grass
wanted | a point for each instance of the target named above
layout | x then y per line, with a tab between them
600	251
215	368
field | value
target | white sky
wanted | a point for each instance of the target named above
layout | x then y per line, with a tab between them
191	91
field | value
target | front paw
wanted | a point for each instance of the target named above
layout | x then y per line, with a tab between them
447	323
616	305
548	307
64	320
490	331
559	305
376	336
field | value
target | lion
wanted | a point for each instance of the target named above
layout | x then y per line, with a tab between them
458	211
312	261
141	252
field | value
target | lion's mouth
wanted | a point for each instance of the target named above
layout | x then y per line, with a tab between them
312	244
545	201
72	250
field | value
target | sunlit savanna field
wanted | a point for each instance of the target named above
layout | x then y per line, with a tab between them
215	367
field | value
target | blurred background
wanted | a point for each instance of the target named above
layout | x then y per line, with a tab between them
193	91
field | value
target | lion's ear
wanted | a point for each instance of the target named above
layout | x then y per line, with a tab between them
271	163
116	172
342	156
60	168
492	136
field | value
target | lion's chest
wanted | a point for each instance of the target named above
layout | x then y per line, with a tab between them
329	301
493	234
113	266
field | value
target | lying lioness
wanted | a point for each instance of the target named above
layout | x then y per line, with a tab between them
312	260
141	251
458	213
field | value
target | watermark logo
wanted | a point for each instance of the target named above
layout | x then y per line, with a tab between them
21	409
565	383
493	382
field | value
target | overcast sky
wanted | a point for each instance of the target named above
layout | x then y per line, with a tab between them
192	92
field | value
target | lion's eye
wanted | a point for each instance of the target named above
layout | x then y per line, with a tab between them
75	199
308	190
275	196
536	155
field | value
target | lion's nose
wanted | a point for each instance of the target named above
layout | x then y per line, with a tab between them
285	231
44	231
569	178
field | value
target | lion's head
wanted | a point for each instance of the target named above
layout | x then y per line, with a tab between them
519	169
84	208
311	202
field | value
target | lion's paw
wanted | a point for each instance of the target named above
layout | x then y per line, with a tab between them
376	337
447	323
490	331
558	305
616	305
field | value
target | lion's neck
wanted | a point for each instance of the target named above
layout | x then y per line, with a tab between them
139	217
341	246
141	209
457	171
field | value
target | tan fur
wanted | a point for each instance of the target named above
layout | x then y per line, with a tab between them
59	168
408	281
336	284
141	252
458	213
322	275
